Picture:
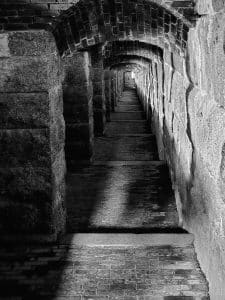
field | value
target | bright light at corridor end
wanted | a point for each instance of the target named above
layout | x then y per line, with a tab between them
132	75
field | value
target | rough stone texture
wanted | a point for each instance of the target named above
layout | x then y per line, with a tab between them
206	117
31	136
78	107
78	24
79	271
186	101
99	100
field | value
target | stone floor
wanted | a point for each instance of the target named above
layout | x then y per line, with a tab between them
126	190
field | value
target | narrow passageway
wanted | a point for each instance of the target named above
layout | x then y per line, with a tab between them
124	239
124	192
126	188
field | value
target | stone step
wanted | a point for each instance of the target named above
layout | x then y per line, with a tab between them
128	116
128	102
156	163
128	239
121	198
128	107
100	266
126	127
125	148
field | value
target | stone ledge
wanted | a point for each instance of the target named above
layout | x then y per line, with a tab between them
108	239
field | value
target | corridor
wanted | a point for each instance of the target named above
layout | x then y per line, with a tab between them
124	241
127	188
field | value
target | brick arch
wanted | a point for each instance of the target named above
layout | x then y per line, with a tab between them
128	59
121	65
131	48
117	50
90	22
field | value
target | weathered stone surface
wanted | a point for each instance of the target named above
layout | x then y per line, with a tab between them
127	267
24	110
78	94
189	124
18	147
98	102
78	107
33	74
32	184
4	45
25	182
209	6
77	69
31	43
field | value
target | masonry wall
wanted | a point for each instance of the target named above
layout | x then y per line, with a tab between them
32	183
188	117
78	108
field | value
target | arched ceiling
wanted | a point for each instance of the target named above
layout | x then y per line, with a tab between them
80	24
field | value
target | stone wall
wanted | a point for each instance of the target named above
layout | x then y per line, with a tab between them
98	82
186	96
32	164
107	89
78	108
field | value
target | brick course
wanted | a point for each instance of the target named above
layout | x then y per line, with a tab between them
77	25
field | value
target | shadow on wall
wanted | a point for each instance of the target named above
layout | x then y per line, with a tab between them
28	271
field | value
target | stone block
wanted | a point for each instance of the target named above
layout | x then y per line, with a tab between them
34	195
76	113
26	217
28	184
31	43
97	74
77	69
56	101
23	74
24	110
98	102
178	96
98	88
178	63
218	5
57	136
79	95
58	173
77	132
209	6
4	45
19	147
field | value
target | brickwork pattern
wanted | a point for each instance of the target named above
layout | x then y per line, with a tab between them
130	48
66	271
89	22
